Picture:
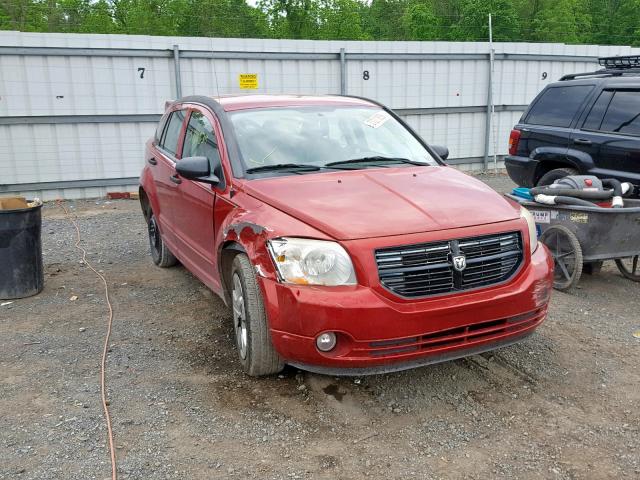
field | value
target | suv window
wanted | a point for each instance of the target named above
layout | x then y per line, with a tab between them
558	105
594	119
623	114
200	140
171	134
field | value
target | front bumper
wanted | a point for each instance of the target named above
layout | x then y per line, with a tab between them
379	334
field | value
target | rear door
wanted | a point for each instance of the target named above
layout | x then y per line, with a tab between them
164	173
547	126
192	212
610	134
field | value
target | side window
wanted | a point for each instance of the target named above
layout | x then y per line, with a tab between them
200	141
160	128
558	105
623	114
594	119
171	134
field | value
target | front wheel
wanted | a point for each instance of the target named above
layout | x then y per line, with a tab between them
629	268
253	340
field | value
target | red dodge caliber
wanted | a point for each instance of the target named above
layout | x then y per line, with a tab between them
340	239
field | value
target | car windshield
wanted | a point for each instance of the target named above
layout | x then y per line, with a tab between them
305	139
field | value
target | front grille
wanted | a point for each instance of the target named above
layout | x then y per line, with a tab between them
427	269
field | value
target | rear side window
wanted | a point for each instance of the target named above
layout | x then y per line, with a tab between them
558	105
160	128
623	114
594	119
169	141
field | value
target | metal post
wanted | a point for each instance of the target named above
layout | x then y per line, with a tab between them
176	67
343	72
487	132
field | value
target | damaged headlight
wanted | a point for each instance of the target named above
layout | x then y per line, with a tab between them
312	262
533	232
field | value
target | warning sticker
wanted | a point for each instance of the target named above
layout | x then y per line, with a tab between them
377	119
248	81
579	217
543	216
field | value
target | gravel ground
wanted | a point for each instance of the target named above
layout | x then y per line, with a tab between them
563	404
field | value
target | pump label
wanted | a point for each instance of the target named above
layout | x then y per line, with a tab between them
541	216
579	217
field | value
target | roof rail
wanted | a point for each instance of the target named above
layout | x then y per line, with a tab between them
605	72
613	67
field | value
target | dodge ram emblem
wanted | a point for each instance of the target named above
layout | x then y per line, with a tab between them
459	262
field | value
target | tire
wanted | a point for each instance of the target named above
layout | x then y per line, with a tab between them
253	340
629	271
160	253
556	174
567	256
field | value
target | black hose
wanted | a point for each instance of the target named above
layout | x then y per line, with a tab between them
562	200
615	184
570	192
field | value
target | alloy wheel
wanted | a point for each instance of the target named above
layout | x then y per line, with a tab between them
239	316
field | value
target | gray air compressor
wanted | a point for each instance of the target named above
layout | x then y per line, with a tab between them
585	190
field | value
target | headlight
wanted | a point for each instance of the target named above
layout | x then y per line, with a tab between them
312	262
533	232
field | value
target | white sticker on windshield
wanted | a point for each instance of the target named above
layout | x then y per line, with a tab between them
377	119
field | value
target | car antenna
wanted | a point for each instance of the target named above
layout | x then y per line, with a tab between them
215	73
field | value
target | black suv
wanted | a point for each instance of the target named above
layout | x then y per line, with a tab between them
586	123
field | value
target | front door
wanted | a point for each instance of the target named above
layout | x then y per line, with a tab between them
193	211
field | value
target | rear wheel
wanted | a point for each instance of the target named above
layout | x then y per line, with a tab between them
567	256
629	267
556	174
160	254
253	340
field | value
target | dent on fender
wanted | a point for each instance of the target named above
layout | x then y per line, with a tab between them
253	239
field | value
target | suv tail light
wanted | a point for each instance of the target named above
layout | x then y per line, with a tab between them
514	138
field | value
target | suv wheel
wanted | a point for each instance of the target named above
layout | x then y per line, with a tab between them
556	174
160	254
255	350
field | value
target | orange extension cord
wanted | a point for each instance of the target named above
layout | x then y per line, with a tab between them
105	405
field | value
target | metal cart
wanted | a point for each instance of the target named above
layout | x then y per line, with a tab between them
580	237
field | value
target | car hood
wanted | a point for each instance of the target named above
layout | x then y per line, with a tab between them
378	202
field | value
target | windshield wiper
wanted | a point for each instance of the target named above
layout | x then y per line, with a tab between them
283	166
375	159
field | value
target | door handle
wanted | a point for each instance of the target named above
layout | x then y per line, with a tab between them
175	179
152	161
582	141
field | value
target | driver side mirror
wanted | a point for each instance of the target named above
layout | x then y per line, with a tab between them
196	168
441	150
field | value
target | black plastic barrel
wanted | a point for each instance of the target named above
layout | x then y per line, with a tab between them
21	273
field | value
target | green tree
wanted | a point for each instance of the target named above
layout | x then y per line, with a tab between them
341	20
23	15
384	19
420	22
566	21
474	21
222	18
292	18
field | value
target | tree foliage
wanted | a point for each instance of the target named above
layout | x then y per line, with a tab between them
614	22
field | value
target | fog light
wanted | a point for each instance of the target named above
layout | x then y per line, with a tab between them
326	341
